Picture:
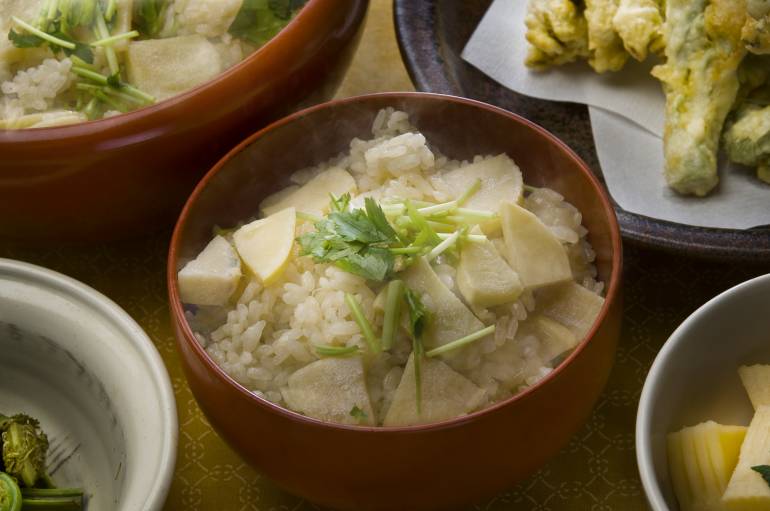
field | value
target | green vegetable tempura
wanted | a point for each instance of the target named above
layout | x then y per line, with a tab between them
68	61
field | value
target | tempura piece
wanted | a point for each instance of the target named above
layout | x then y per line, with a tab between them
557	33
703	51
753	74
604	43
747	139
756	30
639	23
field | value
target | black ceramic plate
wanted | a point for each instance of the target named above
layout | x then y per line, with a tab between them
432	34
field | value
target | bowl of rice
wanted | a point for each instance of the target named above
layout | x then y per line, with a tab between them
419	292
177	102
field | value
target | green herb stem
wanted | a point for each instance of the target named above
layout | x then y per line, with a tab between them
108	41
104	80
109	91
476	238
110	101
90	109
308	217
422	225
392	313
393	209
438	209
470	192
441	227
109	12
43	35
459	343
476	213
363	323
406	250
530	188
91	75
77	61
104	34
443	246
335	351
419	203
417	353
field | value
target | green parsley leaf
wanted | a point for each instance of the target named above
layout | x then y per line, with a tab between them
83	51
358	414
149	16
114	81
418	314
353	240
259	20
377	217
341	203
281	8
24	40
764	471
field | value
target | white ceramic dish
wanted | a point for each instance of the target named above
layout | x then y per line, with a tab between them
72	358
695	378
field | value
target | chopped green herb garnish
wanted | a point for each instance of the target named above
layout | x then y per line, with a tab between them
418	318
335	351
149	16
438	209
24	40
115	38
308	217
109	12
470	192
259	20
363	323
40	34
462	341
358	414
443	246
353	240
530	188
764	471
392	312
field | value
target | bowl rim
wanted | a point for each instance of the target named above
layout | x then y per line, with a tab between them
86	128
188	337
652	387
52	281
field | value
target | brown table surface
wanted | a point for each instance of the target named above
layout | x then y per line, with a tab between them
596	472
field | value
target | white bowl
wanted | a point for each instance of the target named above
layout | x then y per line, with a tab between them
72	358
695	378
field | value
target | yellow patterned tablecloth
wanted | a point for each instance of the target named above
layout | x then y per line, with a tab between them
596	472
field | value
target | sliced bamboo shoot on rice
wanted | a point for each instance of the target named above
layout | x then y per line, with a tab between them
213	276
265	245
313	196
484	278
445	394
531	249
330	389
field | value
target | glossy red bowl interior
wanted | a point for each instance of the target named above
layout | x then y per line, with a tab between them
131	174
423	467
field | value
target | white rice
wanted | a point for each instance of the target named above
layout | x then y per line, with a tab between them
271	332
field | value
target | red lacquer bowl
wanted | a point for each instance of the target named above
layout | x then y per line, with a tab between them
131	174
437	466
